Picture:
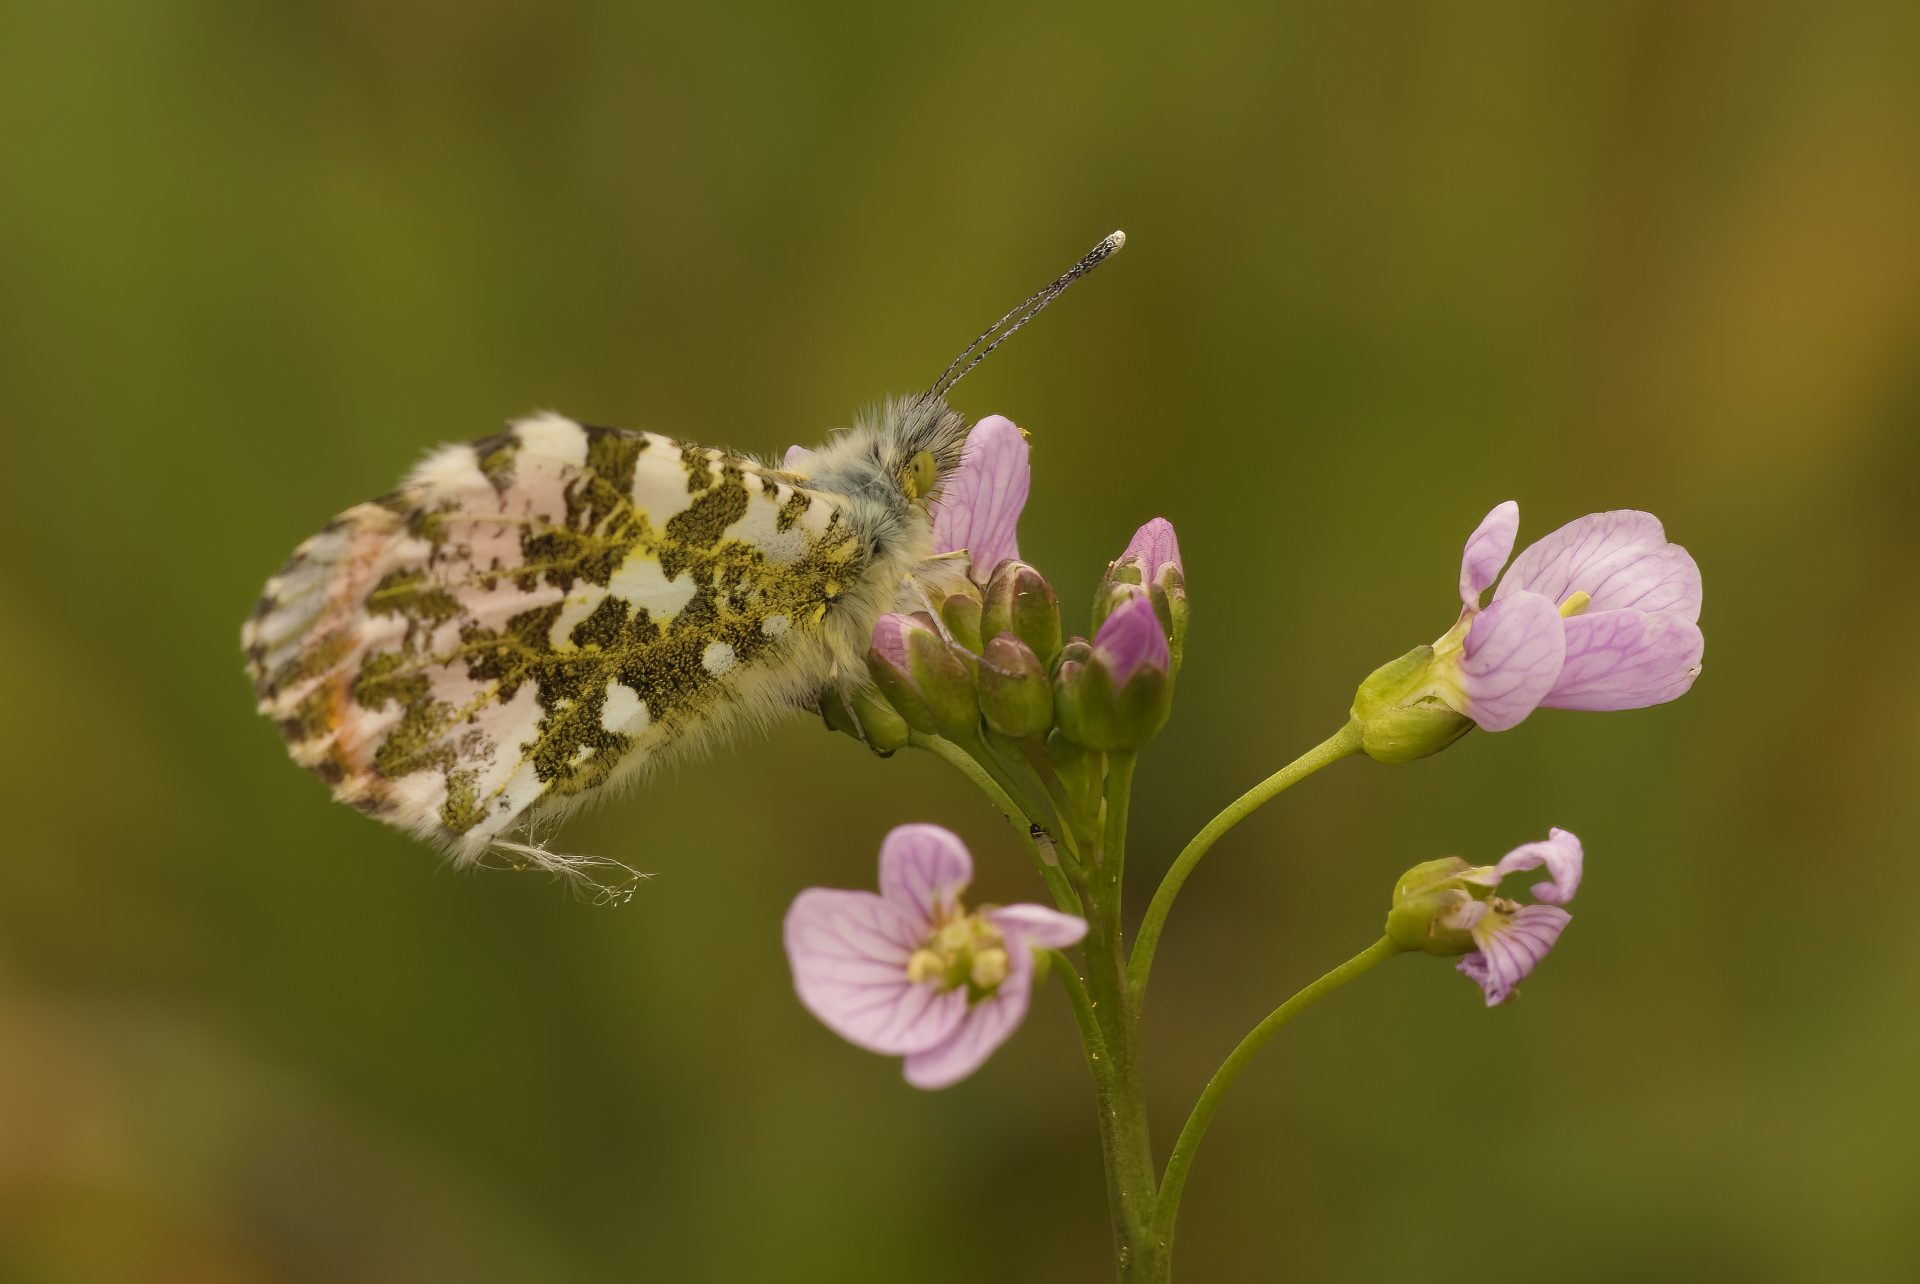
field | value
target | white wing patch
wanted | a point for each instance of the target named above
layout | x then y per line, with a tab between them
530	613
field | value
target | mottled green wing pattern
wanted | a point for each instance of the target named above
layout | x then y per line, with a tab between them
536	613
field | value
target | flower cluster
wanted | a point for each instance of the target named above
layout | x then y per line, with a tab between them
1601	614
989	657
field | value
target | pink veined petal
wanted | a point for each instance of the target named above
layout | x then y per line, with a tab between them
890	638
1621	558
986	1025
1462	914
849	952
1627	660
796	459
1131	639
1511	947
1153	547
978	508
1509	661
1036	925
1488	549
1560	853
923	870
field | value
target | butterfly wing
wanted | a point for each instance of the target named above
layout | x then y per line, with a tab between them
536	613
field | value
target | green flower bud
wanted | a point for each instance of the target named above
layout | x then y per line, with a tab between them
1021	602
945	677
1425	902
1400	719
884	730
865	717
1168	593
1015	695
890	664
961	612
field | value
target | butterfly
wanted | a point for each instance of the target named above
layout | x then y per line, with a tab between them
533	618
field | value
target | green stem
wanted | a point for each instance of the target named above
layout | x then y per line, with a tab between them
1070	815
997	757
1082	1005
1119	1089
1056	880
1181	1160
1341	744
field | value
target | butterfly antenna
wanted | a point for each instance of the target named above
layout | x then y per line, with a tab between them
1000	331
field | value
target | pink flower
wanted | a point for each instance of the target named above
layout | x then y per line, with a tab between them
1130	640
1448	907
1511	939
1155	551
1602	614
978	505
910	972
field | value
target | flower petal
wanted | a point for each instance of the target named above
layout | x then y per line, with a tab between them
1131	638
1040	927
849	953
1627	660
890	638
1509	661
923	869
1153	547
978	508
1560	853
986	1026
1511	946
796	459
1488	549
1621	558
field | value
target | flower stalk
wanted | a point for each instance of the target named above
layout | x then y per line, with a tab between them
1180	1162
1341	744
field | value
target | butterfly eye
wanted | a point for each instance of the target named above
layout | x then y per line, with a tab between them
921	475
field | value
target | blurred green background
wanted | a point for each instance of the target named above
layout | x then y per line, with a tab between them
1389	264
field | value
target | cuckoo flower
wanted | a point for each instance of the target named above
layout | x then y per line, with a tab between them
1152	560
1448	907
978	506
1601	614
1117	698
921	676
911	972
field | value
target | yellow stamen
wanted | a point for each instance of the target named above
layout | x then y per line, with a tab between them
1576	602
925	966
989	968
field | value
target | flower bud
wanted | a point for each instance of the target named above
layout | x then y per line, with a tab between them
960	610
1021	602
1075	650
1151	561
865	717
1399	717
1015	695
1120	698
921	677
1426	904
